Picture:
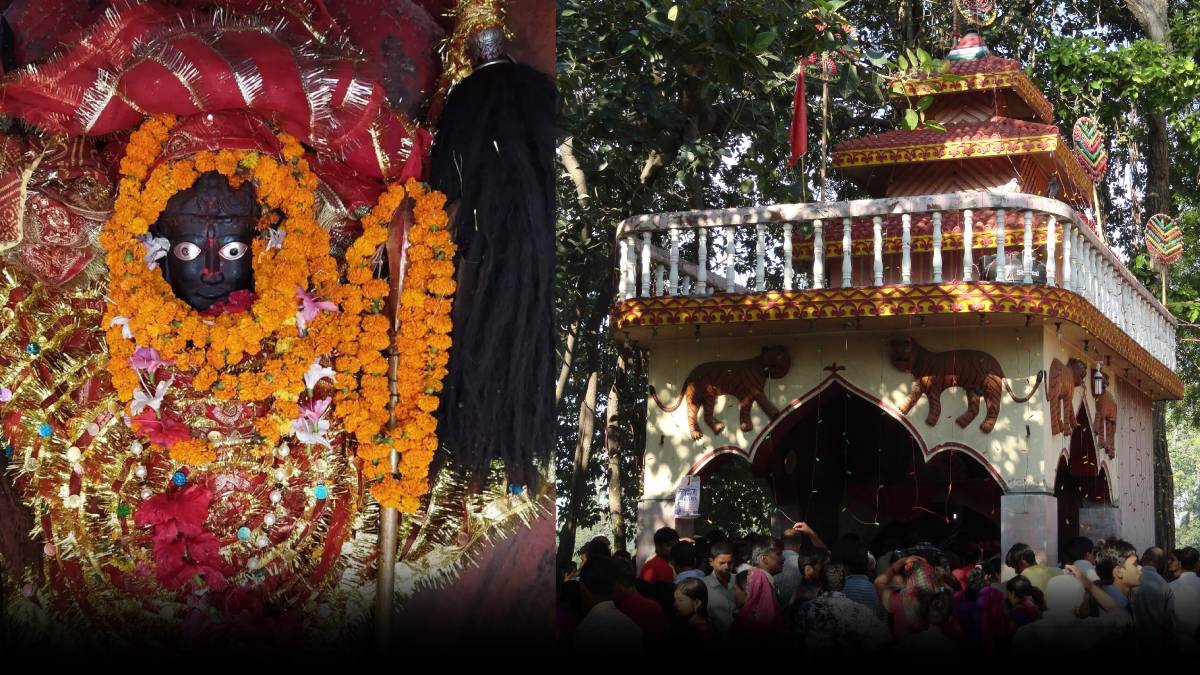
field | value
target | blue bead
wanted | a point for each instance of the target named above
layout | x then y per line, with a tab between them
44	430
517	490
179	478
8	450
244	533
320	492
33	349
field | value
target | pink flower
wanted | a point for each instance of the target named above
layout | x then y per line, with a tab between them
310	306
310	428
314	410
147	359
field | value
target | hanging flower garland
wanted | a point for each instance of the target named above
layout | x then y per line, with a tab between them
306	325
422	344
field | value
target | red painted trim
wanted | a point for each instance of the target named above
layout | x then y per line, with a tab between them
711	455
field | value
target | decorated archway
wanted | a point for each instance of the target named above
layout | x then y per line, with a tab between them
1081	478
845	462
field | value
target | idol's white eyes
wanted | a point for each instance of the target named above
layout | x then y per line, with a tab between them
186	251
234	250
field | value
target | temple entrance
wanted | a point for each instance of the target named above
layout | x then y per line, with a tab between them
1080	479
843	464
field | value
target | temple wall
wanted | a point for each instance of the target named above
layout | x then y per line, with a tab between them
1135	466
1014	449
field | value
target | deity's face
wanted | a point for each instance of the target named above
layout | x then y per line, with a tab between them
210	227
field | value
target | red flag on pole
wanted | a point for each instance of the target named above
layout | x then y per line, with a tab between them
799	120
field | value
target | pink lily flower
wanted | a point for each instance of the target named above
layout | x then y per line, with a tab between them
147	359
310	306
311	428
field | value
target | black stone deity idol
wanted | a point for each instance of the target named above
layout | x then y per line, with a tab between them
210	227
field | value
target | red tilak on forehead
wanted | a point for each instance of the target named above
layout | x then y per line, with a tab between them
210	232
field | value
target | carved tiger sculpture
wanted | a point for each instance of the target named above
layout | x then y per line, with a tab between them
1106	421
745	380
977	373
1060	392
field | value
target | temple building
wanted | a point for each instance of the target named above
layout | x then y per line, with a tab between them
959	359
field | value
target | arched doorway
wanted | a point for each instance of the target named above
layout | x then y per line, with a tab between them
1080	480
732	499
844	464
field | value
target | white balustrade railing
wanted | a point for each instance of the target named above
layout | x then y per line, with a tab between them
787	247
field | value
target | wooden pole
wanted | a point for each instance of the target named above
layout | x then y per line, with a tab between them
1163	291
385	580
824	134
1096	207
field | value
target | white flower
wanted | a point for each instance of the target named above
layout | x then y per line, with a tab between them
143	399
275	237
312	426
312	433
123	322
316	373
156	249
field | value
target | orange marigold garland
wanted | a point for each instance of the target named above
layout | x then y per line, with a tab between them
422	343
339	331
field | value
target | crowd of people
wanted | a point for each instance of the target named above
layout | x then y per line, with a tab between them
711	591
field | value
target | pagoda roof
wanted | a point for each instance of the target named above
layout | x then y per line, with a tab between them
996	137
956	132
985	74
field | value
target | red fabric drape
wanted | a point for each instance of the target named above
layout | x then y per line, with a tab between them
799	120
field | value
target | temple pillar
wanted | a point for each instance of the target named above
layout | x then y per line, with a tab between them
653	513
1099	521
1029	518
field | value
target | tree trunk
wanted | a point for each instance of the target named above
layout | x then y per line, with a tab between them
613	436
583	454
587	427
906	23
1164	484
564	370
1152	16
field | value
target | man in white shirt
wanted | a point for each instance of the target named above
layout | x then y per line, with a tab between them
1187	601
604	629
1063	627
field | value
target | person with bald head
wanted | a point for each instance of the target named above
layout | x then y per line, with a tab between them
1154	603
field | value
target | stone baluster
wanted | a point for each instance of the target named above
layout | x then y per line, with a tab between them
660	281
847	245
702	261
905	248
1051	242
999	265
727	266
760	265
645	265
877	225
968	247
787	257
937	247
673	289
818	254
1027	251
623	285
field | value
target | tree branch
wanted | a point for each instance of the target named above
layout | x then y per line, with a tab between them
567	152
